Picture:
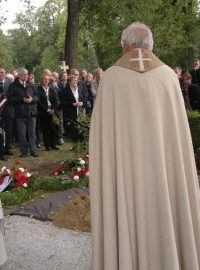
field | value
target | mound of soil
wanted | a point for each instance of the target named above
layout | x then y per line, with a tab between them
75	215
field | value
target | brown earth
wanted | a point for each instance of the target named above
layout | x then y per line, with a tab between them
75	215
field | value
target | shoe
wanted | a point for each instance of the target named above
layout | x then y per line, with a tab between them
48	148
3	158
55	148
9	153
39	145
59	143
23	155
34	155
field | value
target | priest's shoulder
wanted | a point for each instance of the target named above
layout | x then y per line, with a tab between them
168	71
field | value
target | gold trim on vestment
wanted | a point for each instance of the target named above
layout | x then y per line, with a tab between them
140	60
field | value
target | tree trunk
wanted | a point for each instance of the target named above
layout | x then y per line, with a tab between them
71	36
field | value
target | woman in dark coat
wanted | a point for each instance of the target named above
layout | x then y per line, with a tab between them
72	102
48	102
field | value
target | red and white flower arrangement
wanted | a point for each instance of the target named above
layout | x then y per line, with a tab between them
74	169
14	177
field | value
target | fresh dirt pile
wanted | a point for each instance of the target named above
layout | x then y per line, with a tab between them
75	215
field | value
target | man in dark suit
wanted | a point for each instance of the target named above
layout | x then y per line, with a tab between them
195	72
192	90
24	98
7	114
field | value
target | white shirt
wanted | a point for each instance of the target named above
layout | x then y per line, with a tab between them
23	83
47	94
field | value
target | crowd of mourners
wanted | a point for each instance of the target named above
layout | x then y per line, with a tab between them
50	107
190	86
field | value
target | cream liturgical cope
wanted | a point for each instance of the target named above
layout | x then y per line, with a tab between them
3	256
145	202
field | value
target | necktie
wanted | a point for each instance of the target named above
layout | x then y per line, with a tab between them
1	87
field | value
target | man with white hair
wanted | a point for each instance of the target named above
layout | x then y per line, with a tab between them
24	98
145	203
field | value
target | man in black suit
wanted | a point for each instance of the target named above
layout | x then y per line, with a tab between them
24	98
192	90
195	72
7	114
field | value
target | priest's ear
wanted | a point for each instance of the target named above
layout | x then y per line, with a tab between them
125	48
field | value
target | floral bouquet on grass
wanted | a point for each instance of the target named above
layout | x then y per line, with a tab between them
15	177
73	169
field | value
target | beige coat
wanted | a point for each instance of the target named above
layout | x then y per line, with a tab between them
145	200
94	88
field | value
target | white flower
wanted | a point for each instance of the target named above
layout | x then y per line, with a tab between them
21	169
78	169
25	185
79	158
28	174
3	169
76	177
8	171
56	173
87	174
82	162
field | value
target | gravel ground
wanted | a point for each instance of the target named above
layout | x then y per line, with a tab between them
35	245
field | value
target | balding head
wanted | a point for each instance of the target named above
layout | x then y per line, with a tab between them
137	35
47	72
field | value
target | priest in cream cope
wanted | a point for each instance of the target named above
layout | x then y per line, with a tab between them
145	201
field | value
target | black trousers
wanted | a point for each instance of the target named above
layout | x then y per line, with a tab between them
71	127
48	130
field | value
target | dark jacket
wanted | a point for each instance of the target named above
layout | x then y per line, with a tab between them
16	93
67	99
88	97
194	96
195	73
43	104
8	111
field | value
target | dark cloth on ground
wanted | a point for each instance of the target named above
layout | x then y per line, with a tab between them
45	209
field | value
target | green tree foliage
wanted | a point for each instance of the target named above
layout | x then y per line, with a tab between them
38	30
175	26
49	59
174	23
6	55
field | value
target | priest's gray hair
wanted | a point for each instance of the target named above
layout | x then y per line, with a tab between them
137	34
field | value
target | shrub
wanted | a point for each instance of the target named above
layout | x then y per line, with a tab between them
194	123
83	124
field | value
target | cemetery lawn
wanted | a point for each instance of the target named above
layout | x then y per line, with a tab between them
43	164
